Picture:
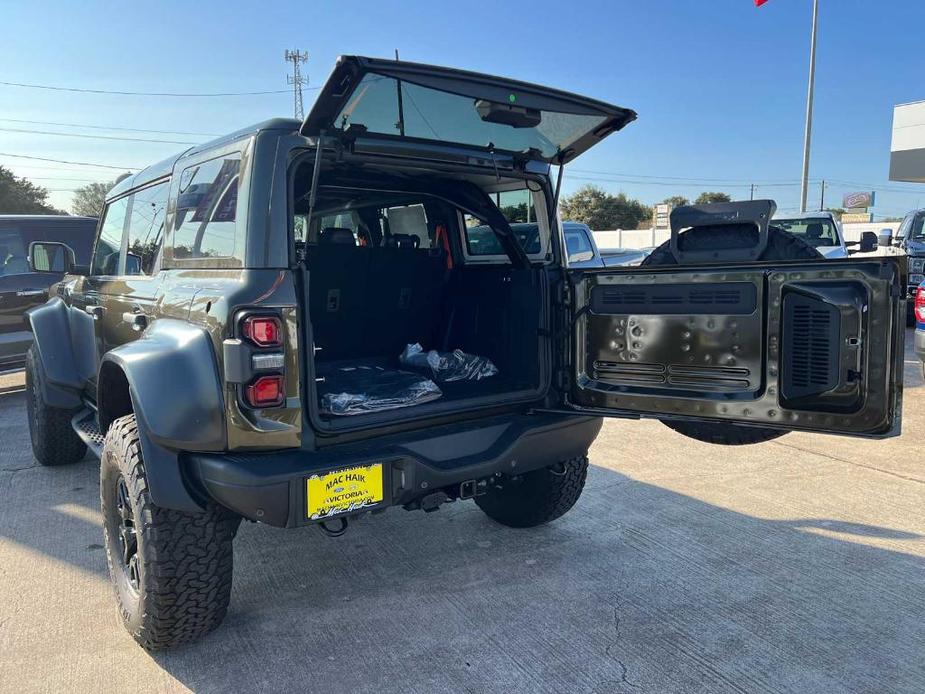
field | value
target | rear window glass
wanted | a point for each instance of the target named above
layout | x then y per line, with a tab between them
207	203
432	114
815	232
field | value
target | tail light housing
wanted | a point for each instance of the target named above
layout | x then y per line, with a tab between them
262	363
263	331
266	391
920	305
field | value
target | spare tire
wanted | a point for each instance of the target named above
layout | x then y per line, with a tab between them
781	246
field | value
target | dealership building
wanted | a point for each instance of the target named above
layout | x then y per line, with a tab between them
907	148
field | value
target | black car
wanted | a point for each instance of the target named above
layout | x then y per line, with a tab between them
23	286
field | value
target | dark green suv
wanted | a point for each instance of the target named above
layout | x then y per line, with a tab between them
302	323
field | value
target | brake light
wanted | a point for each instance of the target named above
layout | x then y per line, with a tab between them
266	391
920	305
263	331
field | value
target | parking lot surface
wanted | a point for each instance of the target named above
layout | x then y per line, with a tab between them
796	565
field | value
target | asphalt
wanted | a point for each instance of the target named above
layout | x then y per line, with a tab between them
792	566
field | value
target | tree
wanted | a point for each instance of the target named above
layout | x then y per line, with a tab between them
19	196
602	210
676	201
89	199
707	198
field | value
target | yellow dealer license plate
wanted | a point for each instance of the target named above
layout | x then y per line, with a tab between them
343	491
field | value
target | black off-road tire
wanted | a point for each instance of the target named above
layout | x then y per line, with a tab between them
180	585
54	441
537	497
781	246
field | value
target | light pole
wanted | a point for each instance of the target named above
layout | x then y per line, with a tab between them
804	184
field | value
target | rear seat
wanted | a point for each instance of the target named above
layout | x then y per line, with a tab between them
367	302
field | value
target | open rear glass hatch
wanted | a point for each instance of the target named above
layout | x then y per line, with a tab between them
392	99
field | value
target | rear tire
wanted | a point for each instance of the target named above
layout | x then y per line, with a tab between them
54	441
781	246
171	570
536	497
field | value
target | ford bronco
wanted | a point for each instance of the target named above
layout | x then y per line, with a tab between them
304	322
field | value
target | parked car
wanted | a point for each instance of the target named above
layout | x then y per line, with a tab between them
299	324
823	231
23	286
918	344
910	240
583	251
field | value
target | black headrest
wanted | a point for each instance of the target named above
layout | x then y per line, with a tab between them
337	235
402	241
814	230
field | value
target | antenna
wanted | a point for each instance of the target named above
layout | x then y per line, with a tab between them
296	79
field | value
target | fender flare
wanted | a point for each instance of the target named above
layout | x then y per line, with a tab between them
54	350
177	398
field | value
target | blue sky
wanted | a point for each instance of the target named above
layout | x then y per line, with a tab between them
719	85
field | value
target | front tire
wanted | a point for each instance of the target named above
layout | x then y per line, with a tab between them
537	497
54	441
171	570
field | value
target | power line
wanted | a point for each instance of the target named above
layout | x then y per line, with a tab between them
98	137
107	127
74	163
84	90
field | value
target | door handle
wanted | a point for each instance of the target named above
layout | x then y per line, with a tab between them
137	320
95	310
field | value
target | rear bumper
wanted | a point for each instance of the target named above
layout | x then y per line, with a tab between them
270	487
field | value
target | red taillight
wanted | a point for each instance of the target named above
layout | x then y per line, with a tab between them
263	331
920	305
266	391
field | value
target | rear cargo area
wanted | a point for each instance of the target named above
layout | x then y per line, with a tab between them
387	273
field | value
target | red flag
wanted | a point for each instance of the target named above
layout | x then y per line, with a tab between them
759	3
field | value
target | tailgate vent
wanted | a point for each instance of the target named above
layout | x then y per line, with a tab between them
726	298
810	346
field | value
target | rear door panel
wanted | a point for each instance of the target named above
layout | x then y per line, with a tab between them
816	347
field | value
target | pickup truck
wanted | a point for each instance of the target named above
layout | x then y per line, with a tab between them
583	251
824	233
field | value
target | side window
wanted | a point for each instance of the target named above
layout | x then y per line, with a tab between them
108	253
207	204
12	253
146	229
578	245
518	209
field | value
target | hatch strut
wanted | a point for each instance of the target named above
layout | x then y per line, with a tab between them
316	172
555	198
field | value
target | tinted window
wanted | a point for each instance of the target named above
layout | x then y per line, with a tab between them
145	229
207	206
12	252
108	253
517	208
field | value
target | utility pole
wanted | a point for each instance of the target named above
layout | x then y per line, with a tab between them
296	79
809	109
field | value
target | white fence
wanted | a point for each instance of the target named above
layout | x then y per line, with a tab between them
644	238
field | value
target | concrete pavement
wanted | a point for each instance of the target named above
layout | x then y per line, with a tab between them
792	566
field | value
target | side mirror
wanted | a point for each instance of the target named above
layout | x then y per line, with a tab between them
132	264
869	242
884	238
51	256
